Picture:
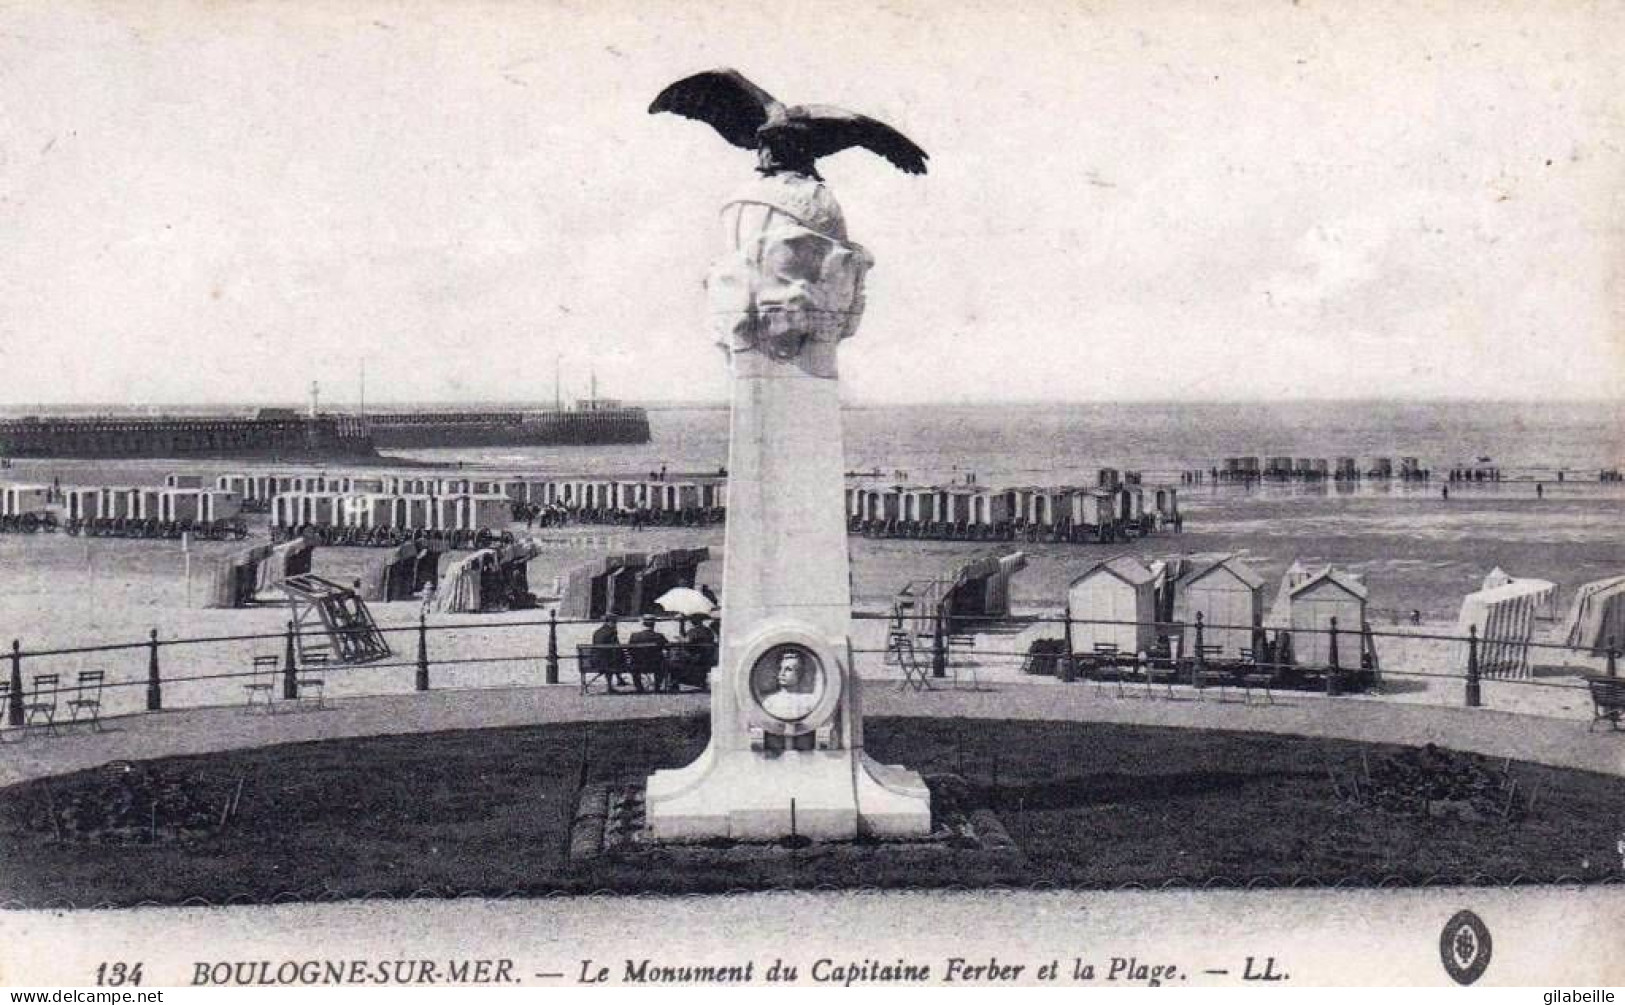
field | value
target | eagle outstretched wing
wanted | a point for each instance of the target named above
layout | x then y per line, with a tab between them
832	130
732	105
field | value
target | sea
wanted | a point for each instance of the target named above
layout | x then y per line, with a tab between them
1069	443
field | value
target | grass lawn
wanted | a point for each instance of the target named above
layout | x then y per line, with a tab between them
489	811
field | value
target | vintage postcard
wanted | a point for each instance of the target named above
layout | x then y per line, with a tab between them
540	494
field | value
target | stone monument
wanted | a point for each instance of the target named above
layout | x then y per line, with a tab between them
786	751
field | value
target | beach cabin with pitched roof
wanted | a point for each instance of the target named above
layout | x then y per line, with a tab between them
1229	596
1313	604
1120	590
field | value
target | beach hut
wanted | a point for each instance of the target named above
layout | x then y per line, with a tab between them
491	579
18	500
406	570
1504	616
622	584
1121	591
1313	604
290	558
462	584
1596	621
83	503
583	593
235	582
183	481
978	591
1229	596
1545	599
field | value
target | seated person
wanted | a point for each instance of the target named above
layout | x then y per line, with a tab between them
605	635
648	655
694	656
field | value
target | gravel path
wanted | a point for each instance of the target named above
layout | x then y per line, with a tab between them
1558	742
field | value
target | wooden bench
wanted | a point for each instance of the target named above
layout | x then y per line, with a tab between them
604	663
676	662
1607	700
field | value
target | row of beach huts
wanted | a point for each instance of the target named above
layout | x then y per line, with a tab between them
1115	508
363	506
1341	469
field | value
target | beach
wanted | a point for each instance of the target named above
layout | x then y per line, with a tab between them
1415	551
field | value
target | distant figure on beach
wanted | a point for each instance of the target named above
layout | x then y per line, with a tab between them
1445	492
1416	616
1540	491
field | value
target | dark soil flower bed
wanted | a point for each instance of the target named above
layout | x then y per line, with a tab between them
1084	804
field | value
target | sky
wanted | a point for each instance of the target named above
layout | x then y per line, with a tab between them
223	201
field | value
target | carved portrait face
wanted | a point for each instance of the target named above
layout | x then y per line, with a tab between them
788	682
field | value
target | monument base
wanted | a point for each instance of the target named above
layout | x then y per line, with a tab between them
837	795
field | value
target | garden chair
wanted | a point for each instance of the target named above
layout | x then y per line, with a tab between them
310	678
1106	668
1161	667
916	674
1252	675
1209	671
262	685
958	647
41	703
86	703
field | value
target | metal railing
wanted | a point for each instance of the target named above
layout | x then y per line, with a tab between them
532	653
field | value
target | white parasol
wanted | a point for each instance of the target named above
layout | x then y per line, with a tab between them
683	600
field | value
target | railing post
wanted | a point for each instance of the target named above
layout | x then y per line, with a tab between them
1335	667
290	668
1068	669
155	685
14	701
939	646
1474	694
1613	664
423	653
553	646
1200	663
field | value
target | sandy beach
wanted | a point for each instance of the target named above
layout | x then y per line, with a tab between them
69	592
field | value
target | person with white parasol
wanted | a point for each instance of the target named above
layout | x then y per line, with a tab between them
693	658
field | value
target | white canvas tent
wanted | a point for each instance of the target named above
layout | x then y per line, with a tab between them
1504	616
1545	601
1597	618
1280	615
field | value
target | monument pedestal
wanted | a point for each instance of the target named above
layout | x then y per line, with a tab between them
786	713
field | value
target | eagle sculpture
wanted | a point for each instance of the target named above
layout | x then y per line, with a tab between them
786	138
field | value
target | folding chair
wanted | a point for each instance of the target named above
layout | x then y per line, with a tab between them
1252	675
959	644
305	680
1161	668
1106	667
87	699
41	703
916	675
1208	673
262	685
